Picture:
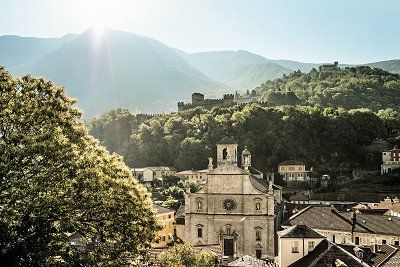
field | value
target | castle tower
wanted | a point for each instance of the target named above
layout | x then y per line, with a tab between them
246	159
226	152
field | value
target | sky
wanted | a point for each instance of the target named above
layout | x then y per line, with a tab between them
348	31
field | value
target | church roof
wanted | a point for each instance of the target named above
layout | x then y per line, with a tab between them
226	141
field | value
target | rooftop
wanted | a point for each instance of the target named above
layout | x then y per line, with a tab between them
352	196
226	141
327	253
329	218
299	197
299	231
249	261
161	209
291	162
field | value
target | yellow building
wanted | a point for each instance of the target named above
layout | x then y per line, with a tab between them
166	235
293	170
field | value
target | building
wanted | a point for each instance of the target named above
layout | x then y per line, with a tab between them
348	198
391	206
335	65
293	170
149	174
390	161
295	242
299	198
234	209
166	235
327	253
248	261
199	176
349	227
198	101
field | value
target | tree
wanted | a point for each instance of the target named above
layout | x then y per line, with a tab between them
56	180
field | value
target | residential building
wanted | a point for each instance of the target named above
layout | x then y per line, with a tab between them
327	253
149	174
295	242
390	160
392	206
293	170
199	176
234	209
349	227
299	198
166	235
348	198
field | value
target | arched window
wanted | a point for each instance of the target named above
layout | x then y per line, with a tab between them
224	153
258	206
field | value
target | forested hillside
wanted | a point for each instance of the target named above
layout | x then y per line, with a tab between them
321	137
353	87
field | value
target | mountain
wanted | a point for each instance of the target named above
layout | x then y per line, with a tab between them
121	69
16	51
392	66
239	69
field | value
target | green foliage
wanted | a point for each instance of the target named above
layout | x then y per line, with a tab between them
353	87
183	255
56	179
321	137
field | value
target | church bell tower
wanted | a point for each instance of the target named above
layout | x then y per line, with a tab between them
226	152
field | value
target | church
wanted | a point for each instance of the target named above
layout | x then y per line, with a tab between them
235	208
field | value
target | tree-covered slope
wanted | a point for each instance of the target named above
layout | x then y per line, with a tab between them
325	138
352	87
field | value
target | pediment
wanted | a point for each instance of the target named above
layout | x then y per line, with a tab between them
227	169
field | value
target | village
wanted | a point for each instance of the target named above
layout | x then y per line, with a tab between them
244	219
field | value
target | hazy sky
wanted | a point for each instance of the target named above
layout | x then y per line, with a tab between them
349	31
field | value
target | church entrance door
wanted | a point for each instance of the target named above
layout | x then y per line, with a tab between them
228	247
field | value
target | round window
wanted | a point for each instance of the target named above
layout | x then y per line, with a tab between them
229	204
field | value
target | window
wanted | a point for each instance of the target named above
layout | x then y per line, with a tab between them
224	153
311	245
169	216
333	238
258	206
163	238
199	232
258	234
282	168
396	243
383	242
295	246
258	253
300	168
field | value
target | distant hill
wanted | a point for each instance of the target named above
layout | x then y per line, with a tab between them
239	69
120	69
392	66
16	51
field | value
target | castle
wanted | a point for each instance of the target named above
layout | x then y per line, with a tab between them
199	101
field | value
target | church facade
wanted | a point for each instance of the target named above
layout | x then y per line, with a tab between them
234	209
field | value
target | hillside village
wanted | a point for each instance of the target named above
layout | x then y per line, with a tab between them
239	213
118	149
